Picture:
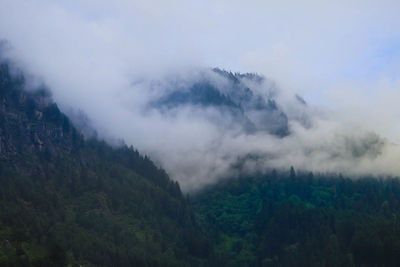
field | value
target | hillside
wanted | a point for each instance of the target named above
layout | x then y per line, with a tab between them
289	219
67	200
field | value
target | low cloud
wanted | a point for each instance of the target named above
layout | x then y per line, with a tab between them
112	60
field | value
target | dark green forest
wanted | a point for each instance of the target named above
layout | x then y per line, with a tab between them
289	219
71	200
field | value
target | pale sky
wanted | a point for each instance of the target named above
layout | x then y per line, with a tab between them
305	45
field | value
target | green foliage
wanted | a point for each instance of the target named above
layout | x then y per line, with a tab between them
298	219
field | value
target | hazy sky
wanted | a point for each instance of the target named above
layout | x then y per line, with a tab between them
302	44
342	56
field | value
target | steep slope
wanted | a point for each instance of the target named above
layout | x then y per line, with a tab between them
67	200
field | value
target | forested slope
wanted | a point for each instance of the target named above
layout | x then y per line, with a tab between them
289	219
65	200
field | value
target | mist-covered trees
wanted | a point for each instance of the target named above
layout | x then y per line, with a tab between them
70	200
67	200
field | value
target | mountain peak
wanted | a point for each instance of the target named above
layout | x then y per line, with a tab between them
233	98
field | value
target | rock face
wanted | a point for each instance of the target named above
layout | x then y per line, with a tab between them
235	97
31	122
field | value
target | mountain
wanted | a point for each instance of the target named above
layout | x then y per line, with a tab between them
69	200
234	96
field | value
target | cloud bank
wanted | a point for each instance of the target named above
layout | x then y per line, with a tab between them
111	59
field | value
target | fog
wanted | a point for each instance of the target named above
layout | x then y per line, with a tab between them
111	59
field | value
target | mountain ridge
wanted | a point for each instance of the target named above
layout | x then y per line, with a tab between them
249	109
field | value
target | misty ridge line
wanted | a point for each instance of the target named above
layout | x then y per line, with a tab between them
211	124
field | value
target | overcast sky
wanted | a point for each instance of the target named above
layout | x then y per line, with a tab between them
303	44
343	56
